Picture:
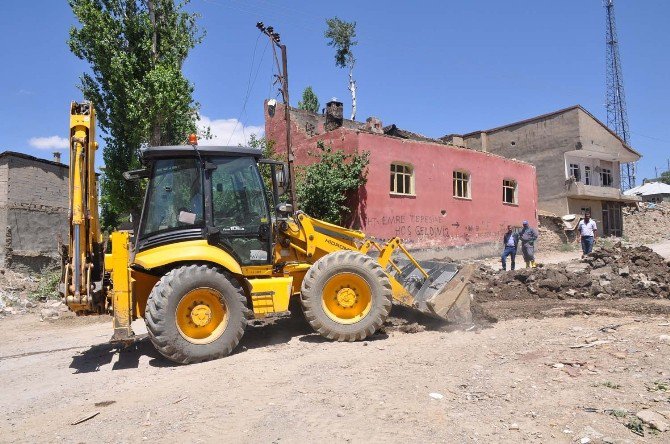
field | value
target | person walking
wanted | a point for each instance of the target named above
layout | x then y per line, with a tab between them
588	231
528	236
510	243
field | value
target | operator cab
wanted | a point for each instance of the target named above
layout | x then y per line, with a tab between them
212	193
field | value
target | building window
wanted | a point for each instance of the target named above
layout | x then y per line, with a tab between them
575	172
461	184
509	191
587	175
606	177
402	179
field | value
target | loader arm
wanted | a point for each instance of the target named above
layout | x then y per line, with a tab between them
435	288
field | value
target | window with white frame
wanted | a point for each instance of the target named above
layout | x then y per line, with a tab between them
462	184
402	179
575	172
606	179
509	191
587	175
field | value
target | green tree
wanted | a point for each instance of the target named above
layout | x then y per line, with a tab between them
325	186
341	35
665	177
135	49
309	102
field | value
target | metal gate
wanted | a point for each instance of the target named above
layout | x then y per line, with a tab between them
612	219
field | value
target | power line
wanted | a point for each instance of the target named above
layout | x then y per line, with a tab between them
650	137
250	86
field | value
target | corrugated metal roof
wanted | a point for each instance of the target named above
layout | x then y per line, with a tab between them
649	189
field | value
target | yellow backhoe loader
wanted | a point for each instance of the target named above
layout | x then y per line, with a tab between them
211	253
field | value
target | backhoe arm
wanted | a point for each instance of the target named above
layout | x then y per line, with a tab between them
84	267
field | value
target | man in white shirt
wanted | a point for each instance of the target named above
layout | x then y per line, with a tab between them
588	230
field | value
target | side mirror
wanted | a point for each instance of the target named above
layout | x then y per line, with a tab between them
142	173
285	208
282	179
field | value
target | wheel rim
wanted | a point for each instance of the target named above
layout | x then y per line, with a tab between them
347	298
202	316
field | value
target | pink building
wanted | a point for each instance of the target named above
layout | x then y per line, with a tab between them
429	193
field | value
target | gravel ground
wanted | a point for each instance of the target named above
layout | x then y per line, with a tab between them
579	371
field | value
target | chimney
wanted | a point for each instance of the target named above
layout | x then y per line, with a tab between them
334	112
56	156
374	125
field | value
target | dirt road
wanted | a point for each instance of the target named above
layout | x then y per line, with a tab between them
518	380
584	370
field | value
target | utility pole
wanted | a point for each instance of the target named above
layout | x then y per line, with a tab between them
275	41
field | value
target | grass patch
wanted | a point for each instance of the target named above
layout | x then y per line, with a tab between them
610	384
617	413
605	243
659	386
567	247
47	286
636	426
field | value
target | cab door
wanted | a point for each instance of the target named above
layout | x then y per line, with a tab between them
240	209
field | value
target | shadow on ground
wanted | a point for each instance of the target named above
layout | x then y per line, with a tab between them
128	356
260	333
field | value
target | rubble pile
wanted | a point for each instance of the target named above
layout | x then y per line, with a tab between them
19	295
15	289
607	273
647	222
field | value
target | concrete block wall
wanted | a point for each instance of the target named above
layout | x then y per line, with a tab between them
542	143
33	211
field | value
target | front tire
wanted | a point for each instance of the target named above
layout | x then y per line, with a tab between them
346	296
195	313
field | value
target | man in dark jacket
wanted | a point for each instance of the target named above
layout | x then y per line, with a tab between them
510	243
528	237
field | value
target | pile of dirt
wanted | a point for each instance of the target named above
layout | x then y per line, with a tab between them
607	273
647	222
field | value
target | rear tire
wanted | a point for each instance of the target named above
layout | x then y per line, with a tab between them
346	296
196	313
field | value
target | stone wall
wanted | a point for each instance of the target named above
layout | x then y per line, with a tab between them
33	211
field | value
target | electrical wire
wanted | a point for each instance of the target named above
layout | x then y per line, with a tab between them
650	137
251	70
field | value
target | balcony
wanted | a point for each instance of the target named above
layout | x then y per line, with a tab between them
578	190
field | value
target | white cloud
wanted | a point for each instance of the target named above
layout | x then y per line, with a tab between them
49	143
228	132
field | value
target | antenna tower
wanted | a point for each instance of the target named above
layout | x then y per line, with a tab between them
617	116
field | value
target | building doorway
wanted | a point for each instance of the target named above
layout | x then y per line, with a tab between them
612	219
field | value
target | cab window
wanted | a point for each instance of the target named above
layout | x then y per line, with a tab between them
174	198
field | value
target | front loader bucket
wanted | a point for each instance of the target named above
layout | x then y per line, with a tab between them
444	293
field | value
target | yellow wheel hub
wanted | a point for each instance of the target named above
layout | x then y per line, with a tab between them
347	298
201	316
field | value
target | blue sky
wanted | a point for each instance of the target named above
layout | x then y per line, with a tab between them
433	67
